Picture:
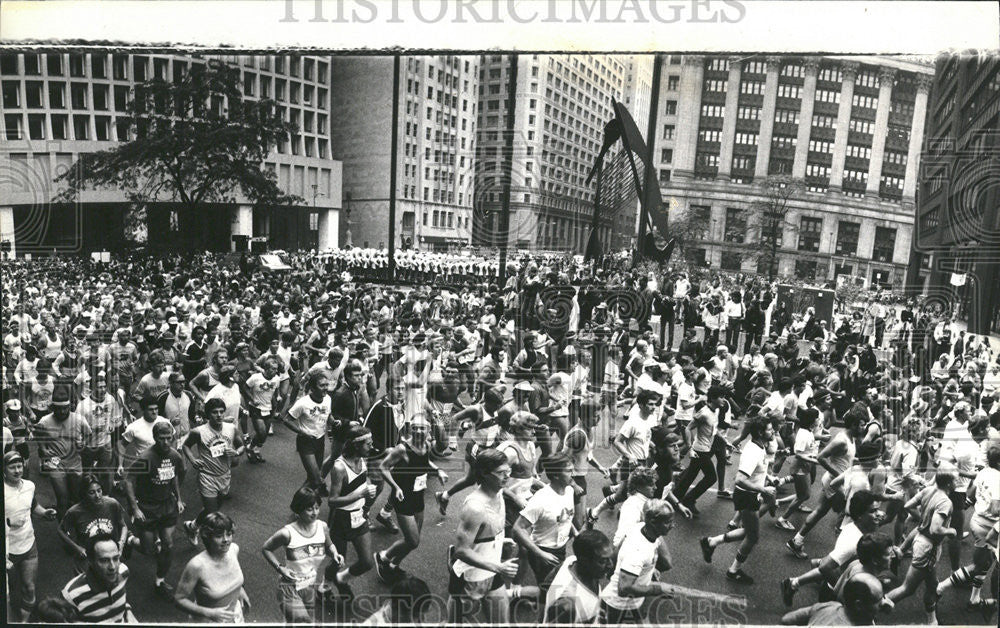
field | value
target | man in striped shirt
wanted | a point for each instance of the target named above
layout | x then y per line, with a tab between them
98	594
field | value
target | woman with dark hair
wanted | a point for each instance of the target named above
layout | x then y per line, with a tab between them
94	514
349	492
307	543
211	585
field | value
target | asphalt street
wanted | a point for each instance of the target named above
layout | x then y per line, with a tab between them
259	505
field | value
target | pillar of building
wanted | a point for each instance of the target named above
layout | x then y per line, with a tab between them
329	228
7	231
767	118
916	137
885	80
688	113
242	223
849	71
805	117
866	238
729	119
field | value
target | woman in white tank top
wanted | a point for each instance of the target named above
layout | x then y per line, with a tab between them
307	545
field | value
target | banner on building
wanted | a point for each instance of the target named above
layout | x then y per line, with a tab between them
958	279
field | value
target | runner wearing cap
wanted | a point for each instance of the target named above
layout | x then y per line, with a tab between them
21	552
61	436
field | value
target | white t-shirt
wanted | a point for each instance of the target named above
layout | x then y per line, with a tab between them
987	485
231	396
705	428
139	437
637	557
312	416
636	432
753	463
551	516
17	514
846	548
902	465
685	393
629	517
805	443
262	391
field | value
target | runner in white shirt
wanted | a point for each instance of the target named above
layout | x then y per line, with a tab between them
643	552
262	391
574	593
750	487
545	524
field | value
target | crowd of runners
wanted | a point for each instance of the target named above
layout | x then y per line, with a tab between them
485	401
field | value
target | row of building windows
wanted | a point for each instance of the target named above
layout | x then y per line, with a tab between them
787	116
752	87
828	95
865	102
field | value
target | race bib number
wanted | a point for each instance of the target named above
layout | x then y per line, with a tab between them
304	582
164	474
357	518
453	441
53	462
420	483
217	450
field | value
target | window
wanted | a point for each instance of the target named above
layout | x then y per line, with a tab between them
789	91
731	260
707	160
713	111
12	126
667	155
805	269
898	159
98	66
867	79
752	87
78	95
824	122
11	94
865	102
743	162
885	244
862	152
748	113
891	183
810	231
736	225
664	176
668	131
706	135
671	108
847	238
719	65
816	170
828	95
672	82
832	75
59	127
716	85
862	126
747	138
788	116
54	63
36	126
820	146
794	71
783	141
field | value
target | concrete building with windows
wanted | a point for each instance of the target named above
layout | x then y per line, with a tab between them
58	106
562	104
848	128
958	214
435	148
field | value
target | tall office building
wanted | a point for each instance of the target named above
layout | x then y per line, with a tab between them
848	128
958	214
435	147
562	103
58	106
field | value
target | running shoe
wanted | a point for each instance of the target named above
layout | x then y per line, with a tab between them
739	576
796	549
442	500
784	524
343	588
805	510
386	523
706	549
191	532
382	569
724	494
787	592
591	519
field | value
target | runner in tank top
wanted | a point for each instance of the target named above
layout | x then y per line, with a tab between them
349	490
522	457
211	585
574	595
405	470
307	544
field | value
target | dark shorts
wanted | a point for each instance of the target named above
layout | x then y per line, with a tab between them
412	504
310	445
340	525
745	500
581	481
838	502
158	515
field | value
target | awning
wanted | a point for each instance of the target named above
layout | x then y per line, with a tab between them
273	262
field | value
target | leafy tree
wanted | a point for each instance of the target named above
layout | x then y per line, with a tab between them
195	143
768	219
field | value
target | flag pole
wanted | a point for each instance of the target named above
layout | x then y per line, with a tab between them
393	158
650	172
508	170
